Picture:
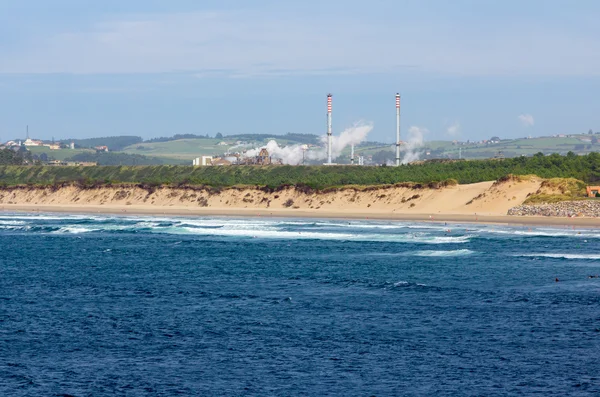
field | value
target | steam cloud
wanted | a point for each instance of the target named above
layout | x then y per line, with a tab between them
293	154
412	145
454	129
527	120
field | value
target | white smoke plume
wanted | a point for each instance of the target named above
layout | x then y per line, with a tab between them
527	120
454	129
294	154
288	154
350	136
413	144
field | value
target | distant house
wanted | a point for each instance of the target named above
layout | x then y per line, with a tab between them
220	161
32	142
101	148
53	146
54	162
592	191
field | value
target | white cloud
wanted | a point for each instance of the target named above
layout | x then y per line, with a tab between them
268	43
454	129
527	120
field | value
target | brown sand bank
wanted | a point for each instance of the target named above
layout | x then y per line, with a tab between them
479	202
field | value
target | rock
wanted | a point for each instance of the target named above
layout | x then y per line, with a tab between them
568	209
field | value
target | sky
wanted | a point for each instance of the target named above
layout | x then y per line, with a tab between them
466	69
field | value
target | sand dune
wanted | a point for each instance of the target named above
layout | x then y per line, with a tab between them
479	202
486	198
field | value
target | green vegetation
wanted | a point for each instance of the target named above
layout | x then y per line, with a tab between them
558	189
585	168
185	149
189	146
116	143
291	138
10	157
120	158
177	137
580	144
60	154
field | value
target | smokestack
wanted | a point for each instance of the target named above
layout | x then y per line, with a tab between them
329	136
397	129
352	154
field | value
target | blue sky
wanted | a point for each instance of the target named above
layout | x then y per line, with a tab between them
466	69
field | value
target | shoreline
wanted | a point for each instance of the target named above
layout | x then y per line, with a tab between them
509	220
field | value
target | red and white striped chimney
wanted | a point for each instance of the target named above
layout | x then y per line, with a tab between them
397	129
329	133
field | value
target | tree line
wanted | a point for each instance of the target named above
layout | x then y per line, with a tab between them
19	157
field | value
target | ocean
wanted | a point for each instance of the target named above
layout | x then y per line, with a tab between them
94	305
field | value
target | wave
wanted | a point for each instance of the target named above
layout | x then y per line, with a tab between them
30	217
11	222
462	252
74	230
263	233
318	229
542	233
277	234
561	256
226	227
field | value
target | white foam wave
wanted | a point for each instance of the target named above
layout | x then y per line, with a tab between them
35	217
276	234
11	223
234	223
13	227
448	239
271	232
436	226
562	256
75	230
374	226
232	227
542	233
462	252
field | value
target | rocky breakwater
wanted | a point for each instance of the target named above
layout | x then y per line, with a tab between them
569	209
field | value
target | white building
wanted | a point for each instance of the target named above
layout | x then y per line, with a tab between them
32	142
202	161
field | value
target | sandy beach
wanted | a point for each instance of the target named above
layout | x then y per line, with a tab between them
290	213
485	202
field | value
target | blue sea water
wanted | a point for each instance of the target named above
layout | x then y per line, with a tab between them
149	306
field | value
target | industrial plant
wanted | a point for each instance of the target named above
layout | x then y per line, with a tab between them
331	149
